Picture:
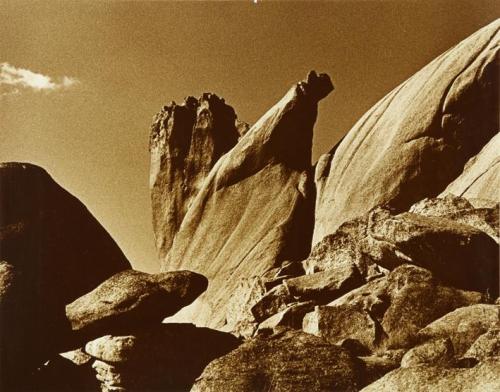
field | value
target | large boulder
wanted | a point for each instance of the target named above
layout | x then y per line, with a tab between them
255	208
481	175
415	141
289	361
463	326
484	217
387	313
186	140
458	254
131	299
52	251
481	378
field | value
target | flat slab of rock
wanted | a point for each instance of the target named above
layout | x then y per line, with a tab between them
255	208
132	298
387	312
292	361
416	141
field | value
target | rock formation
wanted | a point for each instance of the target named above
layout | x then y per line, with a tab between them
52	250
415	141
397	291
459	254
186	141
255	208
131	298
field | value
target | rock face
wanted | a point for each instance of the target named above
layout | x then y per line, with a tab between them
291	361
52	251
481	175
417	139
255	208
387	312
186	141
165	357
131	298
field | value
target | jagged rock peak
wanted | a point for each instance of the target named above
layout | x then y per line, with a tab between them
185	143
193	110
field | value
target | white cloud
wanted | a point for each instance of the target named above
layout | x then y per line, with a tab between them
13	79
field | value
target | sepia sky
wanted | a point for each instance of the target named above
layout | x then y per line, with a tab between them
80	81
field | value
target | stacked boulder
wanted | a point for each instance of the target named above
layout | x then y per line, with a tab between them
121	321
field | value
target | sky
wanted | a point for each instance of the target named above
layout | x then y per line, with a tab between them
81	81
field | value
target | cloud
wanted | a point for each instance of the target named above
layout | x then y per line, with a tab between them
13	80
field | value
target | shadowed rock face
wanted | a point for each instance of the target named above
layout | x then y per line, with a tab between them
417	139
52	251
186	141
255	208
163	357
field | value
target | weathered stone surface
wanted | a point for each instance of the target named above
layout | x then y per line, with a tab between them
438	352
292	361
374	367
323	287
167	357
416	140
458	254
186	141
350	244
274	301
291	317
249	292
112	348
463	326
131	298
337	323
52	251
387	312
78	356
320	287
255	208
460	210
481	378
481	176
487	345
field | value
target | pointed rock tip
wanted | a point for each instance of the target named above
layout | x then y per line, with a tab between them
317	86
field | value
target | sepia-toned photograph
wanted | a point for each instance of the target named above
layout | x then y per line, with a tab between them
249	196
